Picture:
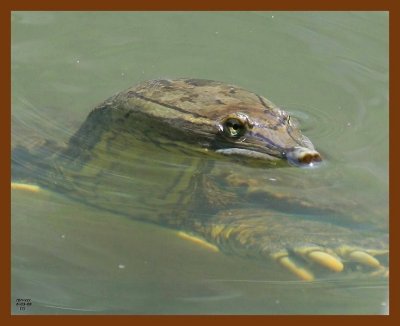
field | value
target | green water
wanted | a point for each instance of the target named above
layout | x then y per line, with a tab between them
329	69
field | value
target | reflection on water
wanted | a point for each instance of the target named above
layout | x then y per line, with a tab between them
70	258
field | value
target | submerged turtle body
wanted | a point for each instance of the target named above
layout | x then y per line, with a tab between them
162	152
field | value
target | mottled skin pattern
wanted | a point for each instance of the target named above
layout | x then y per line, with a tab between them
124	159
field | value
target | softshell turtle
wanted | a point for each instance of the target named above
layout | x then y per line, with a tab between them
162	152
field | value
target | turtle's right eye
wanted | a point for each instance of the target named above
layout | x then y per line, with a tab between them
233	128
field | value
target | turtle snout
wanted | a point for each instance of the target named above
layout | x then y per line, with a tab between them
303	156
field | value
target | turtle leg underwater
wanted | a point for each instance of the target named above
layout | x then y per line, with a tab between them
301	246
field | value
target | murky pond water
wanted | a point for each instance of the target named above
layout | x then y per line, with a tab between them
330	70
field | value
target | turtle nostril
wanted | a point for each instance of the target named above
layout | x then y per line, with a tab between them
303	156
310	158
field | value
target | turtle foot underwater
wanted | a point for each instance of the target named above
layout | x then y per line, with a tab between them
299	246
194	155
309	249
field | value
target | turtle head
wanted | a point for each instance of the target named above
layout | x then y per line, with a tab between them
270	134
224	118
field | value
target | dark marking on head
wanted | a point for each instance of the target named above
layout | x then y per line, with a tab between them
268	109
132	94
163	82
199	82
270	144
187	99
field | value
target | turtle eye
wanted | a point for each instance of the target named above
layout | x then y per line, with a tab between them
234	128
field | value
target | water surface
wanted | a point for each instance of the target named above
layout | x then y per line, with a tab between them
330	70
